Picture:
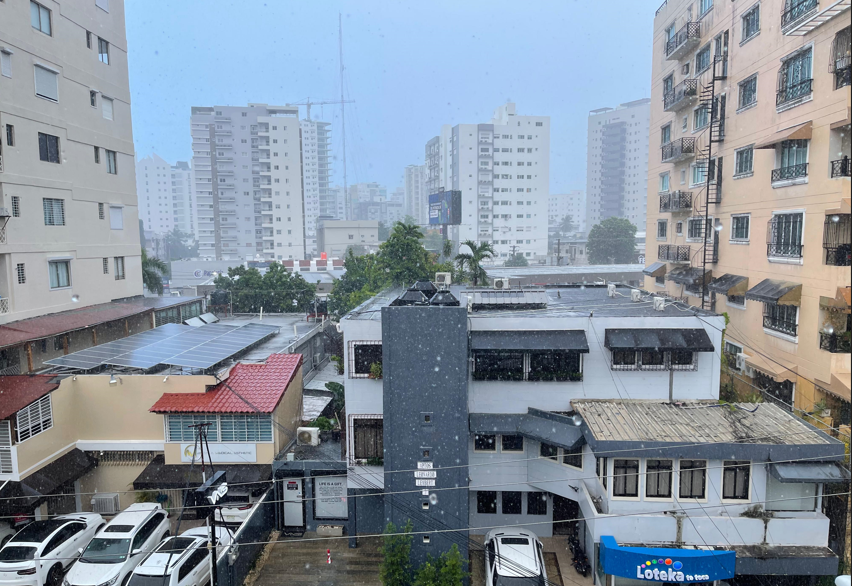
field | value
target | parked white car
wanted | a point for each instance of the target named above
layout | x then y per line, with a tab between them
513	557
39	554
189	564
6	532
236	506
110	557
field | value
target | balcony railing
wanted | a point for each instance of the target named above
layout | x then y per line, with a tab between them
842	73
688	36
681	95
784	250
673	253
678	149
835	343
794	91
790	172
841	168
780	325
837	240
676	201
796	9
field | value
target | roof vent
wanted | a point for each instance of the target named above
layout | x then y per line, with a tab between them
410	297
444	298
428	288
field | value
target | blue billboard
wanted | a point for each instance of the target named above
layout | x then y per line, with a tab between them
657	564
445	208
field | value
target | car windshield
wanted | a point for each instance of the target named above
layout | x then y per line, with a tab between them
38	531
145	580
106	551
16	553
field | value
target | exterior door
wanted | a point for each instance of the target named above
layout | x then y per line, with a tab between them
565	511
294	511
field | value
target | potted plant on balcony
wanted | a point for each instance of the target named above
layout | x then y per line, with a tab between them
325	426
375	371
575	376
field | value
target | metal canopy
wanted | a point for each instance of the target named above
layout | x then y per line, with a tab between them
530	340
689	276
729	284
199	347
776	291
809	472
694	339
657	269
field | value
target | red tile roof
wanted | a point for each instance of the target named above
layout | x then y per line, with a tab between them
16	392
36	328
261	387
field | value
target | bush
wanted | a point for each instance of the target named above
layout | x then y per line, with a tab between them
338	403
324	423
395	567
376	370
339	362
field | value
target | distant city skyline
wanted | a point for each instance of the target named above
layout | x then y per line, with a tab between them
396	110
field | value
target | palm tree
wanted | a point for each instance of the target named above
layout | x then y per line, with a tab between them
447	249
407	230
153	270
472	263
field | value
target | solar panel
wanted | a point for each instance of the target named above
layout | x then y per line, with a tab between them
209	318
178	345
195	322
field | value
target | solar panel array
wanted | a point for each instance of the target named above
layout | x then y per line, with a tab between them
177	345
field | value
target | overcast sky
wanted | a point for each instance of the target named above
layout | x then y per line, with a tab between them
410	67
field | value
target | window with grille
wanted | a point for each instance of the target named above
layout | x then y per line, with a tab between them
34	419
625	478
695	228
751	23
841	58
6	447
101	212
48	148
16	206
21	271
662	229
178	427
106	265
658	478
740	227
245	428
793	152
362	355
781	318
784	235
693	479
624	360
119	268
54	211
795	77
735	480
60	273
744	161
367	438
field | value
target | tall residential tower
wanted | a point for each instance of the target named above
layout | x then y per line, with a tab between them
165	195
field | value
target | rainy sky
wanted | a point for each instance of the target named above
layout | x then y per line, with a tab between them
410	67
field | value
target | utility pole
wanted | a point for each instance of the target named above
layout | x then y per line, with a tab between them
342	110
201	440
514	248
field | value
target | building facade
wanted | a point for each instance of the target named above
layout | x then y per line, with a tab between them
69	230
247	163
336	236
165	195
549	410
571	204
617	163
416	196
748	188
316	148
502	169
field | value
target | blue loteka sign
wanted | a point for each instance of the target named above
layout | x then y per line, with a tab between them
658	564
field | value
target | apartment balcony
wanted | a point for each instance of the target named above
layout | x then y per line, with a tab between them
222	145
837	240
223	132
678	150
222	118
673	253
796	12
794	92
836	343
790	173
676	201
841	168
226	186
684	41
683	95
224	171
227	211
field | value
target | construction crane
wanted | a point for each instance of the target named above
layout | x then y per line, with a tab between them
308	103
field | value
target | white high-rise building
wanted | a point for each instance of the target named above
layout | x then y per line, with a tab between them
69	226
247	162
316	146
617	163
571	204
335	205
502	169
165	195
416	196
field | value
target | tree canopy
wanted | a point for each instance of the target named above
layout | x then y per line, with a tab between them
613	241
517	260
469	264
153	270
180	245
276	291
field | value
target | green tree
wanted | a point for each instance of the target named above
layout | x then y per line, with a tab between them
567	225
180	245
395	567
613	241
384	232
338	402
446	250
448	570
276	291
153	270
363	279
517	260
403	257
470	264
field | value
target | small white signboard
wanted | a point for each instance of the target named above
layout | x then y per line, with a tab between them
424	465
425	474
424	482
224	453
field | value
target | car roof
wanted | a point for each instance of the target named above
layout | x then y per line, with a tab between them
129	520
38	531
516	559
178	547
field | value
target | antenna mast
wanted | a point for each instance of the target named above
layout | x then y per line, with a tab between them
343	112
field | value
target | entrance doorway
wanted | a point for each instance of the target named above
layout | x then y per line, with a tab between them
565	514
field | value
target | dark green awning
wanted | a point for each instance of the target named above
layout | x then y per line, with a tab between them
529	340
694	339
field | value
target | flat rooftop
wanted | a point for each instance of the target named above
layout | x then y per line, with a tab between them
503	272
561	301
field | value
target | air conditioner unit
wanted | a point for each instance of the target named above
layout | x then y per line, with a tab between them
308	436
501	283
635	295
317	358
741	361
685	69
106	503
659	303
443	279
610	290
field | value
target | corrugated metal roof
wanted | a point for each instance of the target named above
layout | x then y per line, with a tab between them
694	422
261	385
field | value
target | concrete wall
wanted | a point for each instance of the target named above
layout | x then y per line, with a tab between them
110	477
334	237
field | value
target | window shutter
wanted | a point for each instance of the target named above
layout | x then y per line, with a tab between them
6	64
6	447
106	103
46	83
116	218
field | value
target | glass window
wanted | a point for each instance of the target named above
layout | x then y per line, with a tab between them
484	443
103	51
664	183
793	152
795	78
119	268
666	134
693	475
740	227
40	17
747	92
512	502
784	238
700	118
699	175
573	457
60	274
623	359
704	6
48	148
536	503
781	318
662	228
653	359
549	451
486	502
625	478
744	161
501	365
364	356
54	211
179	430
249	428
658	478
34	418
702	59
601	465
512	443
751	22
116	217
735	480
46	83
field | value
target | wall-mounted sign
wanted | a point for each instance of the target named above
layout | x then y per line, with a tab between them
425	474
330	493
221	453
424	465
424	482
658	564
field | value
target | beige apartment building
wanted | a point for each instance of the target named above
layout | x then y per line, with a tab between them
69	230
749	189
